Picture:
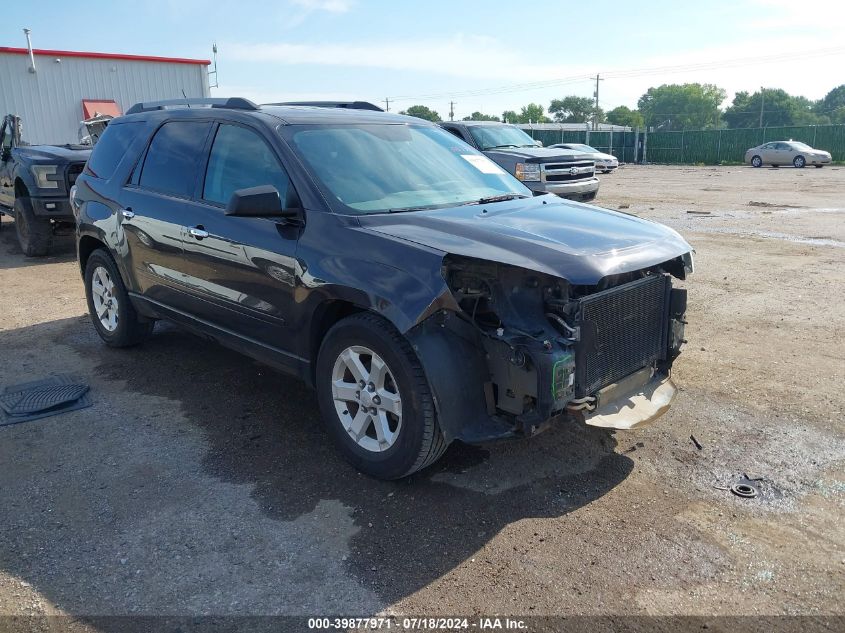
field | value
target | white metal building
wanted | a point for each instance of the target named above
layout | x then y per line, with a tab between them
52	91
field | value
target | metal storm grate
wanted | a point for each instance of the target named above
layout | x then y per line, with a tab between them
623	329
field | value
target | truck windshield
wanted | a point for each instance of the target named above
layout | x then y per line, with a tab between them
495	136
368	168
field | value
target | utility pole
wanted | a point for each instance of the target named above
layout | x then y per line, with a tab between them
762	100
596	95
451	110
386	104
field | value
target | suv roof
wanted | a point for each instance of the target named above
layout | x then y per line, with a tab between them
288	114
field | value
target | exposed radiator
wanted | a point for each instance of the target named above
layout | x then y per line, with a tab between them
623	329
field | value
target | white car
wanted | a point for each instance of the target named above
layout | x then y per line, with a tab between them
605	163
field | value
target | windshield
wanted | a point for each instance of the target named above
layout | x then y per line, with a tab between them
802	146
379	168
493	136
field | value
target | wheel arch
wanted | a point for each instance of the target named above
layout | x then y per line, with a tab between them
325	316
21	190
86	245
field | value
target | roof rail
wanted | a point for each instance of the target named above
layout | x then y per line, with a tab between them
231	103
352	105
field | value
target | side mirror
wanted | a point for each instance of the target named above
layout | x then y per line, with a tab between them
261	201
538	143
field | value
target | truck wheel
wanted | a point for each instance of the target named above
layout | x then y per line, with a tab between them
375	399
112	313
590	196
35	234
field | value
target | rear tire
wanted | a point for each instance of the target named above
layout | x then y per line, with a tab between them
112	313
756	161
35	234
414	440
799	162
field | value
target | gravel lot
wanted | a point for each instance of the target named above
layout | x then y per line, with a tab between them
201	482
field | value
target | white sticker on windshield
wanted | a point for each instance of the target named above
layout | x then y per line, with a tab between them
483	164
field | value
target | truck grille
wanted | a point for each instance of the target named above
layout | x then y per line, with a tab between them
562	172
73	171
623	329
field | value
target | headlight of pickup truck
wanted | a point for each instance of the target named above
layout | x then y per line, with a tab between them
45	176
527	171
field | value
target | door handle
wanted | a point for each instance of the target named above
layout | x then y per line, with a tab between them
198	232
127	213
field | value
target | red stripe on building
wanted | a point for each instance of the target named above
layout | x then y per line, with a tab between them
120	56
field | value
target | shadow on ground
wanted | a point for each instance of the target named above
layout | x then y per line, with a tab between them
63	249
263	430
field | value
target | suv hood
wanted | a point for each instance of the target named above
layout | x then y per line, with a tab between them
537	154
577	242
61	153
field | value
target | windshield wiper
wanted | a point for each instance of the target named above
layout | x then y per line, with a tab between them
500	198
406	209
501	146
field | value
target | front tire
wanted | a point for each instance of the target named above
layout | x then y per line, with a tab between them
112	313
799	162
375	399
756	161
35	234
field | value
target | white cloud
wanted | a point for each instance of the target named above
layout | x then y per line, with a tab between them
330	6
461	56
789	16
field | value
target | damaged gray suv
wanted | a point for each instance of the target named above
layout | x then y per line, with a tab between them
426	294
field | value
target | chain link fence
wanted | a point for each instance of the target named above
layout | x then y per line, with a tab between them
690	147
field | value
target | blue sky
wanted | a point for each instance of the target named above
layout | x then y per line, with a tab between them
484	55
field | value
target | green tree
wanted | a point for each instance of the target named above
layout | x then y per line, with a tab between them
573	109
510	116
623	115
778	108
533	113
682	106
478	116
422	112
833	105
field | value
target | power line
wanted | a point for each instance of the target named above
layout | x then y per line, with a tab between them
596	95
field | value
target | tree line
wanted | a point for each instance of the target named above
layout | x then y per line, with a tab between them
691	106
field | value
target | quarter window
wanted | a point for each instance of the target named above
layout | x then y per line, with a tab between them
240	159
171	162
110	149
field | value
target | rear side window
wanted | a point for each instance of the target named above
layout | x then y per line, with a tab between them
172	159
110	149
240	159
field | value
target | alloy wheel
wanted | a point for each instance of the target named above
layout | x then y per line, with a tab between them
103	295
366	398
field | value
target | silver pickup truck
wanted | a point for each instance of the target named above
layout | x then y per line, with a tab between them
566	173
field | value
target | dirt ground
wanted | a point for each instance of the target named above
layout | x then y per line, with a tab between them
201	482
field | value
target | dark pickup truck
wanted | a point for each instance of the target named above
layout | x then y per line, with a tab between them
566	173
35	182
